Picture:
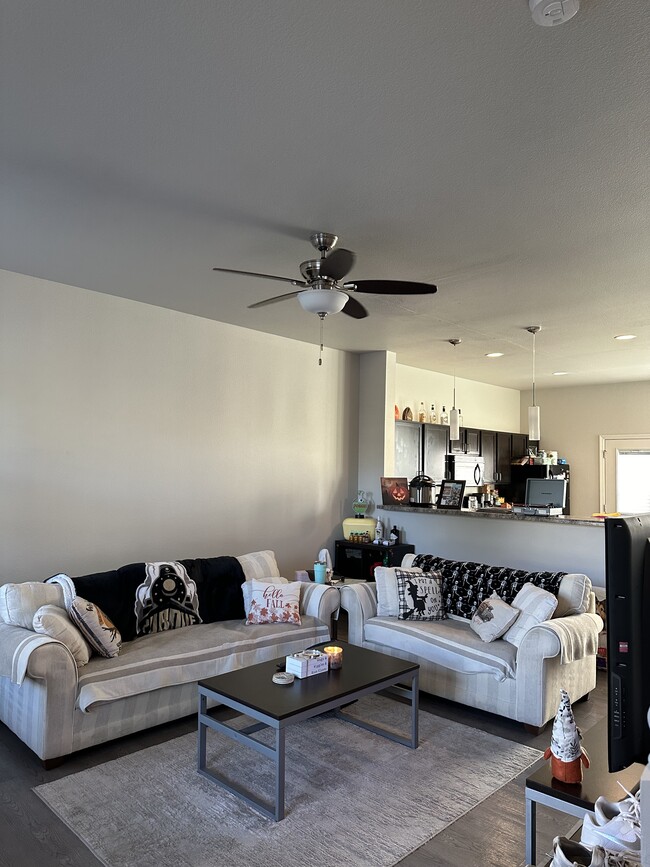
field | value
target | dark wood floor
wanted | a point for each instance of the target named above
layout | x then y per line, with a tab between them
490	835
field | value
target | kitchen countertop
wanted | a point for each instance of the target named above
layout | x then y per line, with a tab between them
499	515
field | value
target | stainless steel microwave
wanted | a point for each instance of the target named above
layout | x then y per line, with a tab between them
465	468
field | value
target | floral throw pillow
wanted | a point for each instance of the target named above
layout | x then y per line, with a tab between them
420	596
274	603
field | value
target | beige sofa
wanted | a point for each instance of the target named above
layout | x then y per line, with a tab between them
57	709
521	683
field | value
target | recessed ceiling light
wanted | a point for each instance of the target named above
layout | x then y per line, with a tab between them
625	337
493	354
560	373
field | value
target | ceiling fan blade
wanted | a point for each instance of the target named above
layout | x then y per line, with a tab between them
338	264
274	300
391	287
354	309
264	276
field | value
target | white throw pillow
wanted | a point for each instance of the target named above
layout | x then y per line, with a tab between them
274	602
387	592
247	589
493	617
259	564
54	621
536	605
573	595
20	602
98	629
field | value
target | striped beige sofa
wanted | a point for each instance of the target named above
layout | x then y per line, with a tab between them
57	709
521	683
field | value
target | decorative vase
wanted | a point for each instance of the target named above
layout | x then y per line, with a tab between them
360	505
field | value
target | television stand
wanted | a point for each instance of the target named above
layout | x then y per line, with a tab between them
576	799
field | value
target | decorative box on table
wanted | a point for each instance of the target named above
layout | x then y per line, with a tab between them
307	662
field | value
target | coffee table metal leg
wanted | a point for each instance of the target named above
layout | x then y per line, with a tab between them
415	708
531	831
279	774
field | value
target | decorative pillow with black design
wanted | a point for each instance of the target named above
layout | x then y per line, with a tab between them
98	630
387	593
493	618
166	599
420	596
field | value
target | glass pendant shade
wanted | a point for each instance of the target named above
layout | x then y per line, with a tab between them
533	423
322	301
454	424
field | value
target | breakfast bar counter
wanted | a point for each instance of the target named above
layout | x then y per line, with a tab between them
500	537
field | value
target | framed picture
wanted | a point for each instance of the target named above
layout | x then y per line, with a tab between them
394	491
451	495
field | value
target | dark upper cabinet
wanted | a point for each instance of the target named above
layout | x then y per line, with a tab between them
489	453
519	445
469	442
504	456
436	444
408	449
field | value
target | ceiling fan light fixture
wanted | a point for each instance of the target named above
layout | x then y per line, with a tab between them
324	302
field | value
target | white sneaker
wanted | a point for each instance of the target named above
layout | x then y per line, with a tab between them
568	853
619	834
629	807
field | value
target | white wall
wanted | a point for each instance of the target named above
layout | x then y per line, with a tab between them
572	420
490	407
130	432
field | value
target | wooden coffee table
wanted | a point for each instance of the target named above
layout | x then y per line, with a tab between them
252	692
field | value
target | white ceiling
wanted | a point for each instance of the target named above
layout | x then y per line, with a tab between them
455	142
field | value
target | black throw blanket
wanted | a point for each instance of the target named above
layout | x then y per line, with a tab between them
218	583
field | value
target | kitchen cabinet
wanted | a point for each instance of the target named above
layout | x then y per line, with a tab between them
436	446
358	559
489	454
508	446
468	443
408	449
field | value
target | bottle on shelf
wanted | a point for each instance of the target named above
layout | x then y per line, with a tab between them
433	416
422	413
444	416
394	535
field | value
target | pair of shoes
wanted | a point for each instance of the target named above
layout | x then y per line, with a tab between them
568	853
616	826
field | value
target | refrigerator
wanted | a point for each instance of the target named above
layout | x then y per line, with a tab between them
515	492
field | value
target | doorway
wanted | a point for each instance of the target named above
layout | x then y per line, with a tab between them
625	473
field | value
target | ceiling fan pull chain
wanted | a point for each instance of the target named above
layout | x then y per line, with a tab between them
320	354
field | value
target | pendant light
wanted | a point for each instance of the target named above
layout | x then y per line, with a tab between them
454	415
533	410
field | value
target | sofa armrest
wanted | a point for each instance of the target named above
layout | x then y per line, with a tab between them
19	646
360	602
572	637
319	600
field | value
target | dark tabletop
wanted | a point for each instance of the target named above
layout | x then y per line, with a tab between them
596	779
254	687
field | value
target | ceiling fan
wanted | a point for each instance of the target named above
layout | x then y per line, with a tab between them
321	289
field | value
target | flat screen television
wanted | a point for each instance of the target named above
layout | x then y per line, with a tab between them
627	582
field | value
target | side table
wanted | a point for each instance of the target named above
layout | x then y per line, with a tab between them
576	799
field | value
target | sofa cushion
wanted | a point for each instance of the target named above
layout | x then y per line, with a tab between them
98	630
259	564
387	592
54	621
536	606
449	643
187	655
272	602
420	596
573	595
20	602
492	618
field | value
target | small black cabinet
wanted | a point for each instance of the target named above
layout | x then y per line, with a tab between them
358	559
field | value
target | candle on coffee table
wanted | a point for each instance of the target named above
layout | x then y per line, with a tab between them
334	655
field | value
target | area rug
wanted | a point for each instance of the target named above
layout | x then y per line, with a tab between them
353	798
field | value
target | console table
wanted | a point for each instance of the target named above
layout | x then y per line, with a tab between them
576	799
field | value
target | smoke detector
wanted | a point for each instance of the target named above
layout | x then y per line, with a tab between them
551	12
